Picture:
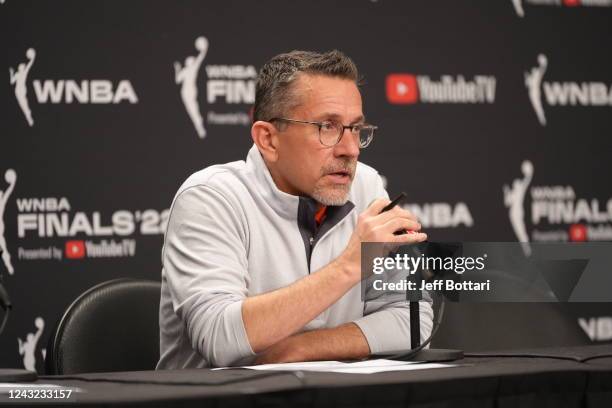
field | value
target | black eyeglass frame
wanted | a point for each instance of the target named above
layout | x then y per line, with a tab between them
320	125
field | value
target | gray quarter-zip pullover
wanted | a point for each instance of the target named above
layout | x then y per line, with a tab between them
232	234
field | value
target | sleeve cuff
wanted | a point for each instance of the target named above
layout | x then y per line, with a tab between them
243	347
376	325
388	331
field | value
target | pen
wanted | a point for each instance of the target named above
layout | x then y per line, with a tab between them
395	202
392	204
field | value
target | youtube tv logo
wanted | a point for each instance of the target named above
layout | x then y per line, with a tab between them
409	89
520	11
402	89
578	233
75	249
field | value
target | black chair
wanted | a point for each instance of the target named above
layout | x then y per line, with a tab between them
113	326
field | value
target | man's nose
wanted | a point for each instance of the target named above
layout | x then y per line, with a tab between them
348	145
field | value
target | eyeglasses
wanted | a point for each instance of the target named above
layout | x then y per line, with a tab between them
330	133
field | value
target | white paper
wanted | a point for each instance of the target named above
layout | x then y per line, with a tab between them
360	367
371	370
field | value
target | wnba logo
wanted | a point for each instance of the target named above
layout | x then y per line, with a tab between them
186	76
590	94
97	91
226	84
10	176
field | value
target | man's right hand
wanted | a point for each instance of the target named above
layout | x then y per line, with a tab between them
374	226
273	316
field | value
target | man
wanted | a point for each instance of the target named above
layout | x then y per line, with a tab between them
261	259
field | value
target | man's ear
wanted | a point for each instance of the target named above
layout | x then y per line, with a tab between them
265	136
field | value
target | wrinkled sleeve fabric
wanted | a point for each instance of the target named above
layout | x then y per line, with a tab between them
205	262
386	319
386	324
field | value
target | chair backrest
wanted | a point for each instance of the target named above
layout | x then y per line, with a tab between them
113	326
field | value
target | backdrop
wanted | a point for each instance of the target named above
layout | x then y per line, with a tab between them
494	116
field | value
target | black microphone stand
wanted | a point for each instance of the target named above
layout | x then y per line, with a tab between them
418	352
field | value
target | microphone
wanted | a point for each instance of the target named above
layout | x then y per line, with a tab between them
417	351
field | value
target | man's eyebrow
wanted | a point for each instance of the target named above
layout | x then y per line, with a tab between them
336	117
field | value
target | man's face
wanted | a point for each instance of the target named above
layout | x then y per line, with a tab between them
305	166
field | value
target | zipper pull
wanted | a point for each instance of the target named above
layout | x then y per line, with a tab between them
311	241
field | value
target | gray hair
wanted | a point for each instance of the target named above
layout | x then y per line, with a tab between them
274	95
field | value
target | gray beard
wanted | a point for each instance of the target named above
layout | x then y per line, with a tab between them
336	197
